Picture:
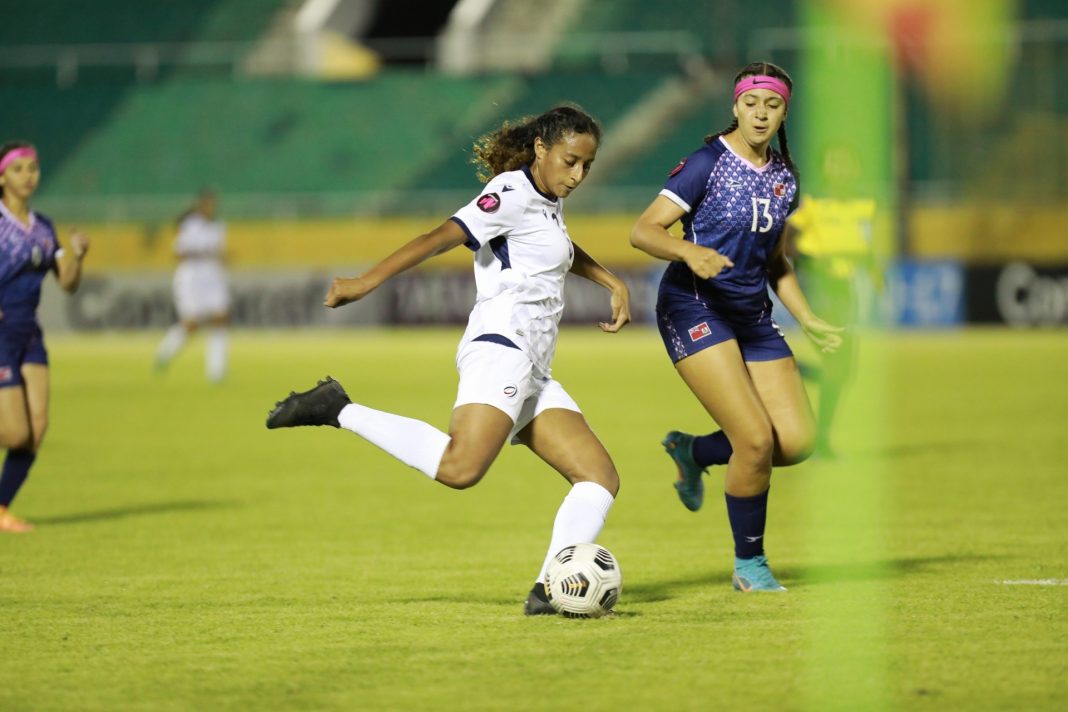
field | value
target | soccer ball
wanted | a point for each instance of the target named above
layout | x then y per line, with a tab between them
583	581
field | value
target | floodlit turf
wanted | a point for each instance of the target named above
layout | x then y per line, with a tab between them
188	558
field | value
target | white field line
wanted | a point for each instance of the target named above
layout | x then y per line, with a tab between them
1033	582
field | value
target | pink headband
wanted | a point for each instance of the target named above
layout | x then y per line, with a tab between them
762	82
14	155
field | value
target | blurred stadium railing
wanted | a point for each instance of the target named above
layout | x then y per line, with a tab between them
326	157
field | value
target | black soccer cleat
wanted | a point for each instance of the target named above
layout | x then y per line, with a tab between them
537	603
319	406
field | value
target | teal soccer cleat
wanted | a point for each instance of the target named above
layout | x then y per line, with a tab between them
754	575
690	487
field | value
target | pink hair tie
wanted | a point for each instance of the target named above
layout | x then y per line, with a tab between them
15	154
762	81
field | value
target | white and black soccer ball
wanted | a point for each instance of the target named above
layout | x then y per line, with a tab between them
583	581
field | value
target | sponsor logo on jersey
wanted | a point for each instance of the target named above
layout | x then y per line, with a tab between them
700	331
780	190
510	391
734	183
36	255
5	374
489	203
675	171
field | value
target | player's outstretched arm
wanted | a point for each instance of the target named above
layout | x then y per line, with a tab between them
783	280
585	266
69	267
650	235
445	237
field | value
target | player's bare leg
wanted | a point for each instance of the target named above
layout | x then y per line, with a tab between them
720	380
173	341
458	459
782	392
564	440
24	413
477	433
215	351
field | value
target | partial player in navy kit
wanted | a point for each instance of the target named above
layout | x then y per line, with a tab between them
522	254
733	196
29	249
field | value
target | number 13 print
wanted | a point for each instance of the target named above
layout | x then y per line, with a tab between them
760	214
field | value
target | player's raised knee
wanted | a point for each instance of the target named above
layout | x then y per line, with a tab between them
459	475
798	448
15	437
755	446
460	467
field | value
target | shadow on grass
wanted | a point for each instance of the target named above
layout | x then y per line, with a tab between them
904	450
655	591
136	510
874	570
516	602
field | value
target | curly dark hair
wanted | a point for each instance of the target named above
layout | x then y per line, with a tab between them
511	146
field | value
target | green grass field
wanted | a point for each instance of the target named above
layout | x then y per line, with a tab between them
188	559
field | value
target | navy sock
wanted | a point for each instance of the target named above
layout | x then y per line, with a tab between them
714	449
748	516
16	468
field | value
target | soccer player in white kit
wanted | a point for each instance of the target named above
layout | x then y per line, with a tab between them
522	253
201	290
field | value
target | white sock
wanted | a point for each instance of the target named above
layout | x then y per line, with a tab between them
215	355
411	441
172	343
579	520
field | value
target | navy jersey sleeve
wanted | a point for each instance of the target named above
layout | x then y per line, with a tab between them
688	181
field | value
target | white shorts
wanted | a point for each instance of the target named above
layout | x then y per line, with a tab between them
200	291
503	377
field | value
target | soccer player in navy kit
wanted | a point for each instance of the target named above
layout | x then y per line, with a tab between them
29	249
522	254
733	196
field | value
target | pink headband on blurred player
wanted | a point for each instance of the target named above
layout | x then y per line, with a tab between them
762	82
15	154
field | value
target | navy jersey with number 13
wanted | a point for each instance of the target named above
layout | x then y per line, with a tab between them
27	253
737	209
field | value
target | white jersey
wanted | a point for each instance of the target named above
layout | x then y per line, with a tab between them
522	254
200	283
200	239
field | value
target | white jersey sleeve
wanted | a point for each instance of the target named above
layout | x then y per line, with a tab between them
494	213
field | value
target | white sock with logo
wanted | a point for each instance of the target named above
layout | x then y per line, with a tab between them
411	441
215	355
172	343
579	520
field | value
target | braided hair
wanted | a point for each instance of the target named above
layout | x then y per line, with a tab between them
772	70
511	146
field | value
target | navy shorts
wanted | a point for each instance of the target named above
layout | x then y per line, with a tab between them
688	323
19	344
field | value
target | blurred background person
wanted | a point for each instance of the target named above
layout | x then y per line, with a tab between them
829	237
201	289
29	250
